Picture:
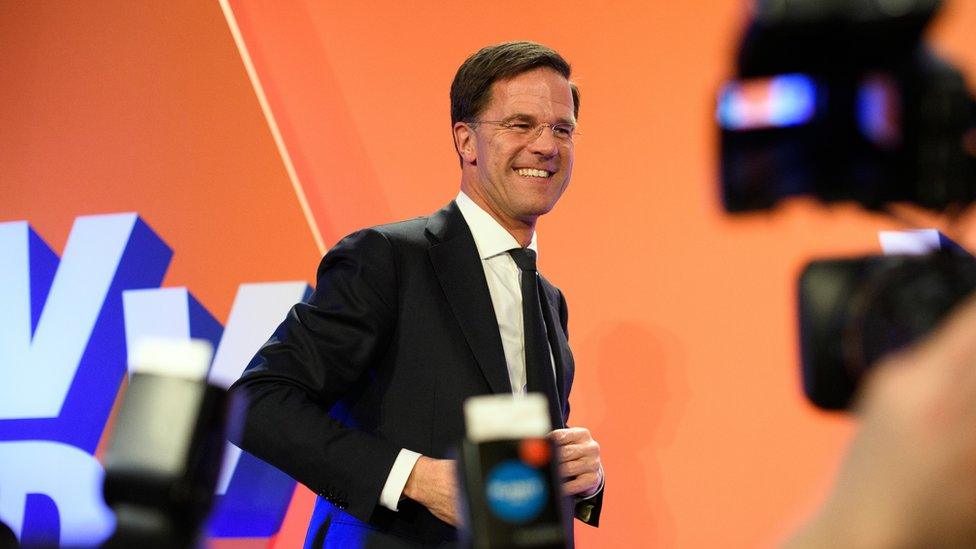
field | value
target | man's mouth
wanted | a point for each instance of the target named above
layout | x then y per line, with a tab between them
533	172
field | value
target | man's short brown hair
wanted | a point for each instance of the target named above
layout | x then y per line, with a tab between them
471	89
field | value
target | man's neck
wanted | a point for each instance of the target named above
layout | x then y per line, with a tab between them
521	230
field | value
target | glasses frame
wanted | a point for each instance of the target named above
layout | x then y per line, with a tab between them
535	132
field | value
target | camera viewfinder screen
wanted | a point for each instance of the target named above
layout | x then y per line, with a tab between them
777	102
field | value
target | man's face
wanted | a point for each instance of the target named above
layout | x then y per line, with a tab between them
517	176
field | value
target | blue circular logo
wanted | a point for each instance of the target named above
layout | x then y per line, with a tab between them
516	492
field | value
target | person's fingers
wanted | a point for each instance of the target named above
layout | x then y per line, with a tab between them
577	451
567	453
568	435
558	434
938	376
952	345
960	356
578	466
584	483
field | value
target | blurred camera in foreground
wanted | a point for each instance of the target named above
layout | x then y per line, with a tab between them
166	447
841	100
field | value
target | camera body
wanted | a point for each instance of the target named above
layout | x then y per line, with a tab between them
166	447
842	101
855	311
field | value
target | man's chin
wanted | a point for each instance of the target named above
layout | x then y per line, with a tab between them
535	211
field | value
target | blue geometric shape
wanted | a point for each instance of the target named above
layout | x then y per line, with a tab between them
203	325
42	524
43	263
99	373
255	502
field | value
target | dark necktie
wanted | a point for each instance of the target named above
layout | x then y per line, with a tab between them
538	366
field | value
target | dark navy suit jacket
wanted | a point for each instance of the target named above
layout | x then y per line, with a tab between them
398	333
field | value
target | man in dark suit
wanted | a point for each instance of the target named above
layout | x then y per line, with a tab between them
359	392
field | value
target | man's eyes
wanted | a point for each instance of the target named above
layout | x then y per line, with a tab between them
562	131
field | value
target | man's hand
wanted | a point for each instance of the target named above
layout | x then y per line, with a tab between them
909	477
579	461
433	484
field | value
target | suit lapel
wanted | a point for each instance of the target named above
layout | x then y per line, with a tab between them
459	271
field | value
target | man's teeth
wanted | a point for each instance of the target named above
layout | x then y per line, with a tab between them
531	172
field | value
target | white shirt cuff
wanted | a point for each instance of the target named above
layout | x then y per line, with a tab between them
393	489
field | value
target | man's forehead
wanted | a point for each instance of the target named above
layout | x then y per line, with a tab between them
538	88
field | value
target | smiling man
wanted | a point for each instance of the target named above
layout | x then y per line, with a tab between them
513	168
359	392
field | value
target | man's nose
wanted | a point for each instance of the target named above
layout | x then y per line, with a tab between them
544	142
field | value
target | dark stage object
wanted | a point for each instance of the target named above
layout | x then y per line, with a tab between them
166	451
854	311
7	538
842	101
510	477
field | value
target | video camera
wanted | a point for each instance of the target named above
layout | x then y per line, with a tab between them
842	100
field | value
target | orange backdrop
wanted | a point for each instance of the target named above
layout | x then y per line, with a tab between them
683	320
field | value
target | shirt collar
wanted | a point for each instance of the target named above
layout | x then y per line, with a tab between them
490	237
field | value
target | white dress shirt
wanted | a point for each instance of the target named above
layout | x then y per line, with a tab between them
505	287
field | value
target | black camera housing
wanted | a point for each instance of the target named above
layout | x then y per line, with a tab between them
842	101
164	459
855	311
885	120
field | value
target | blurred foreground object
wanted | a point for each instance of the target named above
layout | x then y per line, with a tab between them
166	447
909	477
511	481
855	311
841	100
7	538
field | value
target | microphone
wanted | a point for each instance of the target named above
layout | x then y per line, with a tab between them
510	477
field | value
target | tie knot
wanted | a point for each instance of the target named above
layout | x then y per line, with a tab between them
524	258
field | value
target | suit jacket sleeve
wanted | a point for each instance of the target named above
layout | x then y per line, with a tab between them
586	510
322	350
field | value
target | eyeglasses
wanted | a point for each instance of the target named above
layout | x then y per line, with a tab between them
563	132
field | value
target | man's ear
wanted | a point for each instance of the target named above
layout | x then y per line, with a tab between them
465	143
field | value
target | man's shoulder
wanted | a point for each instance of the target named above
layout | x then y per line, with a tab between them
445	222
405	238
399	236
408	229
378	250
